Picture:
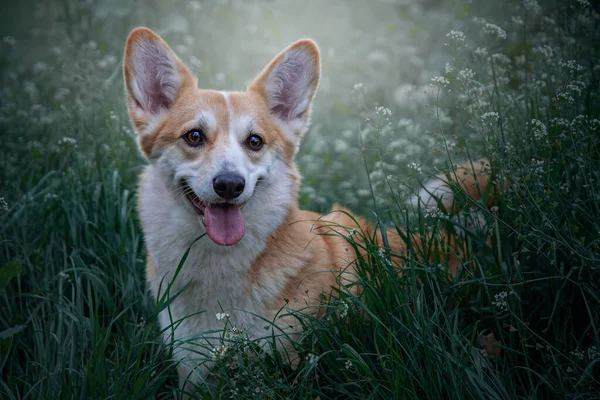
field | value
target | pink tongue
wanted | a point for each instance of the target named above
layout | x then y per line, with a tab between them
224	223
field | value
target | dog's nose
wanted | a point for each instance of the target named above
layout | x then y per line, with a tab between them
229	185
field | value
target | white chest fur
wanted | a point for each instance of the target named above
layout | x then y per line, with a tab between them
214	279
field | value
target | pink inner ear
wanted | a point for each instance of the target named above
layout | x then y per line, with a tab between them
156	76
289	85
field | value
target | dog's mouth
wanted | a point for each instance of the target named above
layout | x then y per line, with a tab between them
224	222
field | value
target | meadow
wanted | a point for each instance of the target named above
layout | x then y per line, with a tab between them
409	89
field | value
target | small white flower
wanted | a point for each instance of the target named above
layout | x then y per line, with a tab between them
517	20
3	204
343	309
539	129
67	141
532	6
358	87
348	364
490	117
500	301
495	31
565	98
571	65
481	52
466	74
415	166
440	80
311	358
383	111
220	316
457	36
219	352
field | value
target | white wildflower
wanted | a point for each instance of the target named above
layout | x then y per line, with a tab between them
221	316
363	193
3	204
494	30
517	20
500	301
348	364
343	309
311	358
67	141
466	74
415	166
544	50
538	129
449	68
490	117
440	80
219	352
501	59
481	52
48	197
571	65
457	36
584	3
358	87
532	6
537	167
564	97
383	111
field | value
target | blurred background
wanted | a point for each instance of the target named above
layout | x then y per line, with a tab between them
65	58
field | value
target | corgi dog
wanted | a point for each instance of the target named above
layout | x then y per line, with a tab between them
221	169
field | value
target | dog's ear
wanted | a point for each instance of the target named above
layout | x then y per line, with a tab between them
288	85
154	77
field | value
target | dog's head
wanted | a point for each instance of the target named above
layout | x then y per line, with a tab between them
224	155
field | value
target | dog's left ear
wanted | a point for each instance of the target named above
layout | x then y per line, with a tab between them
288	85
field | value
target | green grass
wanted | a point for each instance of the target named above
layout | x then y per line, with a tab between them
78	320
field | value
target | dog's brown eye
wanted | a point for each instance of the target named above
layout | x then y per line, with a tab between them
194	138
254	142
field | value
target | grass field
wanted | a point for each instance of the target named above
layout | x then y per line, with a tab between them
409	89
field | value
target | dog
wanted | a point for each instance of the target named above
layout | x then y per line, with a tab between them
221	168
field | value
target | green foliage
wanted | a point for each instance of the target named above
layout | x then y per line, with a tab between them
520	87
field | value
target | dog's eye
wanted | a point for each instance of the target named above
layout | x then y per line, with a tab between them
194	138
254	142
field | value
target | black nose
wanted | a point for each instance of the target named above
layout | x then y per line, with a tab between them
229	185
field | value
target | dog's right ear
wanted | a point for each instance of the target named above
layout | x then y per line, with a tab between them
154	77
